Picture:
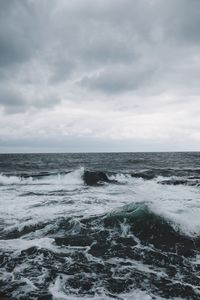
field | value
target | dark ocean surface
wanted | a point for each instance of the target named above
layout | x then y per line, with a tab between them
100	226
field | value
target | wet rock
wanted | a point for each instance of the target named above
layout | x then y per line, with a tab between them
95	177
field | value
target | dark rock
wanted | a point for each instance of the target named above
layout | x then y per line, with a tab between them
95	177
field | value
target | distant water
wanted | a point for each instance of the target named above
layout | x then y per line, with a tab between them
135	235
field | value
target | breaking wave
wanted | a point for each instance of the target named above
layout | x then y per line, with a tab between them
74	177
103	257
80	176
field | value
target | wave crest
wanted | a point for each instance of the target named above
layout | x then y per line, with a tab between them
74	177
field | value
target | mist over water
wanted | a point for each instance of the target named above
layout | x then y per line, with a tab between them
134	233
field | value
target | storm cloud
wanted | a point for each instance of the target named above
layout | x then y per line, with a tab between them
118	72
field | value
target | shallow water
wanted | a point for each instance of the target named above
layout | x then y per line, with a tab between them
134	237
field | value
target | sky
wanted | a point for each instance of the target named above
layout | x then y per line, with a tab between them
99	75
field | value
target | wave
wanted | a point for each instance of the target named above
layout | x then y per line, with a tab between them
152	228
74	177
92	178
131	223
112	253
10	180
136	220
79	176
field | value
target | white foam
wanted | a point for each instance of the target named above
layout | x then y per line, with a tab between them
11	180
22	244
178	204
74	177
141	295
121	178
57	290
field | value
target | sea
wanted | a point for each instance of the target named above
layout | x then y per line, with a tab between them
100	226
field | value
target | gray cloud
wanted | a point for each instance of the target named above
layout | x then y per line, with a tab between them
118	79
14	101
61	70
140	54
17	40
77	144
130	33
180	21
75	38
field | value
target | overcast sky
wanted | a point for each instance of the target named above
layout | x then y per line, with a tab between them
99	75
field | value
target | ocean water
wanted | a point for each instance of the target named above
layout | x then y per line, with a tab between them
129	232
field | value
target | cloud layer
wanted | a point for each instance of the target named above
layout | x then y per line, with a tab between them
118	75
